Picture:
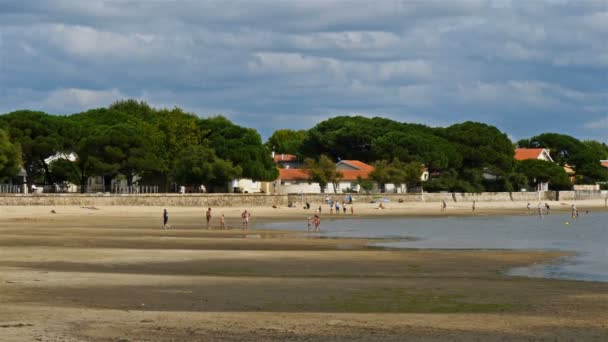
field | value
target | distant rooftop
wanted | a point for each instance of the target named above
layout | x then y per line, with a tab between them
284	158
529	153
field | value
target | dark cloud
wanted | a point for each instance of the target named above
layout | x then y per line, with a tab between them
527	67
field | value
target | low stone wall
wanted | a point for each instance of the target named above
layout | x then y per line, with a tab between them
582	195
434	197
262	200
162	200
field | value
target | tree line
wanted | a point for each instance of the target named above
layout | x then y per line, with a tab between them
130	140
464	157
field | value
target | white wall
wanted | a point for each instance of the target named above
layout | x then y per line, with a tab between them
249	186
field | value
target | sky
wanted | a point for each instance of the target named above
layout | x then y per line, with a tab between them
526	67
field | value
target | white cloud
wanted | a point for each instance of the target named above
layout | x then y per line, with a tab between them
89	42
81	98
598	124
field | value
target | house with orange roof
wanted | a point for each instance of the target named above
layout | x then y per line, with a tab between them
604	163
295	180
533	153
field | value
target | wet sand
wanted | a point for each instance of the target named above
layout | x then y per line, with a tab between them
111	274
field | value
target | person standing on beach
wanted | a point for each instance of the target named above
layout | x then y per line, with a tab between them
443	205
165	218
208	217
540	211
222	222
473	207
337	207
529	209
344	207
352	209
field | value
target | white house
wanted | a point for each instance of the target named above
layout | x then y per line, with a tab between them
294	180
535	153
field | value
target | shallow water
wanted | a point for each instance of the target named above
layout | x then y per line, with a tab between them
587	236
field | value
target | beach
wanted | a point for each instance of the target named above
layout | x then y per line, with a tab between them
112	273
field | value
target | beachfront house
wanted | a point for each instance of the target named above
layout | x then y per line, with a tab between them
535	153
296	180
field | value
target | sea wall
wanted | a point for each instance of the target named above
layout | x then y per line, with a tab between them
261	200
168	200
582	195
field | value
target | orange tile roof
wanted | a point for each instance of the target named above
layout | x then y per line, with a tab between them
293	174
284	157
351	175
301	174
527	153
604	163
359	165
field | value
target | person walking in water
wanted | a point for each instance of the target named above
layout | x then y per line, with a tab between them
245	215
317	223
574	212
208	217
165	218
540	211
309	224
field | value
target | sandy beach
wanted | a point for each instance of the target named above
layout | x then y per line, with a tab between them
112	274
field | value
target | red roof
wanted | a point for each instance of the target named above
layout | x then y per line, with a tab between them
359	165
284	158
293	174
604	163
301	174
528	153
351	175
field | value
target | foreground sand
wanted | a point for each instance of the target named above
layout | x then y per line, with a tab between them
110	274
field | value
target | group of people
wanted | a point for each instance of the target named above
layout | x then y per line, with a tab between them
245	217
316	221
541	209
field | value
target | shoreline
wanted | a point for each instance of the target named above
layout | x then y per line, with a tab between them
112	273
361	210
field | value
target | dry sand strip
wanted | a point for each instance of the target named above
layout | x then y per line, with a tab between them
115	276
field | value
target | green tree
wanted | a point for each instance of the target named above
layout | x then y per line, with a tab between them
287	141
582	157
322	171
381	173
10	157
38	135
365	184
481	145
346	137
198	165
242	146
538	171
396	172
435	152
